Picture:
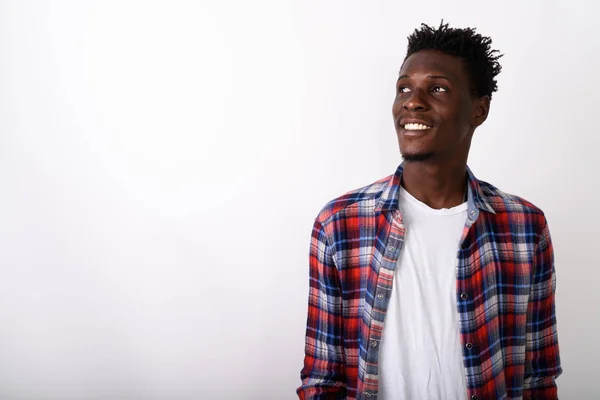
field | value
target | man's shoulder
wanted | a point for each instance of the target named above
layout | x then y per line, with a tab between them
362	202
503	202
366	197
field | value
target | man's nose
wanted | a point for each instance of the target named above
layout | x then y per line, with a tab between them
416	101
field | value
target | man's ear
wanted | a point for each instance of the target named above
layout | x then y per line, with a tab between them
482	109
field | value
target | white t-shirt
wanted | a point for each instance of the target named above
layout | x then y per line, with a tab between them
421	355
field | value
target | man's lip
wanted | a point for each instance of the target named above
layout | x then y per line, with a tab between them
416	133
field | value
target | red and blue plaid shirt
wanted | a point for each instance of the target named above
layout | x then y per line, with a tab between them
504	293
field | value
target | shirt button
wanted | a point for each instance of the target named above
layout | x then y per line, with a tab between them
469	346
474	397
464	296
380	296
473	212
368	394
373	343
391	248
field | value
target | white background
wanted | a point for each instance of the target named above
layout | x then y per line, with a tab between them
161	164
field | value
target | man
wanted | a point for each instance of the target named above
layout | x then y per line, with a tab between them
431	284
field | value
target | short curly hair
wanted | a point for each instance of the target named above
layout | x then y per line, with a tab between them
479	59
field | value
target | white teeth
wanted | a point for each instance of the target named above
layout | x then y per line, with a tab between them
415	127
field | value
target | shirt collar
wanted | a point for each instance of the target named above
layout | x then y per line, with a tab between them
476	198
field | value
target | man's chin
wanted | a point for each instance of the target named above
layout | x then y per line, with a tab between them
417	157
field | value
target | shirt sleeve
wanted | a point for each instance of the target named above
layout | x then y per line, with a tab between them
542	360
323	374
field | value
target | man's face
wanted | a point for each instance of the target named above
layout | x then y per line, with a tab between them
434	111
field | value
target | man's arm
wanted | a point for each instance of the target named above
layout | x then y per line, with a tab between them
542	361
323	375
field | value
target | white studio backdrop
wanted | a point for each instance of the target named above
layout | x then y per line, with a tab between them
161	163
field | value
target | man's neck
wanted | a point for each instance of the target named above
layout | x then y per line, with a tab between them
438	186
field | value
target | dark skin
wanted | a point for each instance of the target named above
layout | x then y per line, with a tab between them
434	96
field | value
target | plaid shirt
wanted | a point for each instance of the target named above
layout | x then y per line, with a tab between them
504	293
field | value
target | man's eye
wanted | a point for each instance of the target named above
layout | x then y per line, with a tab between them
439	89
403	89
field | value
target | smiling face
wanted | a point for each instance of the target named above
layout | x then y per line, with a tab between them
435	112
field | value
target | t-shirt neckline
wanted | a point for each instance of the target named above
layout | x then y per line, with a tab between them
424	207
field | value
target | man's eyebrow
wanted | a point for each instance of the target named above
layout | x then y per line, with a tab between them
438	77
429	76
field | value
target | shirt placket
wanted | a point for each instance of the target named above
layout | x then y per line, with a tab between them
393	245
465	296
